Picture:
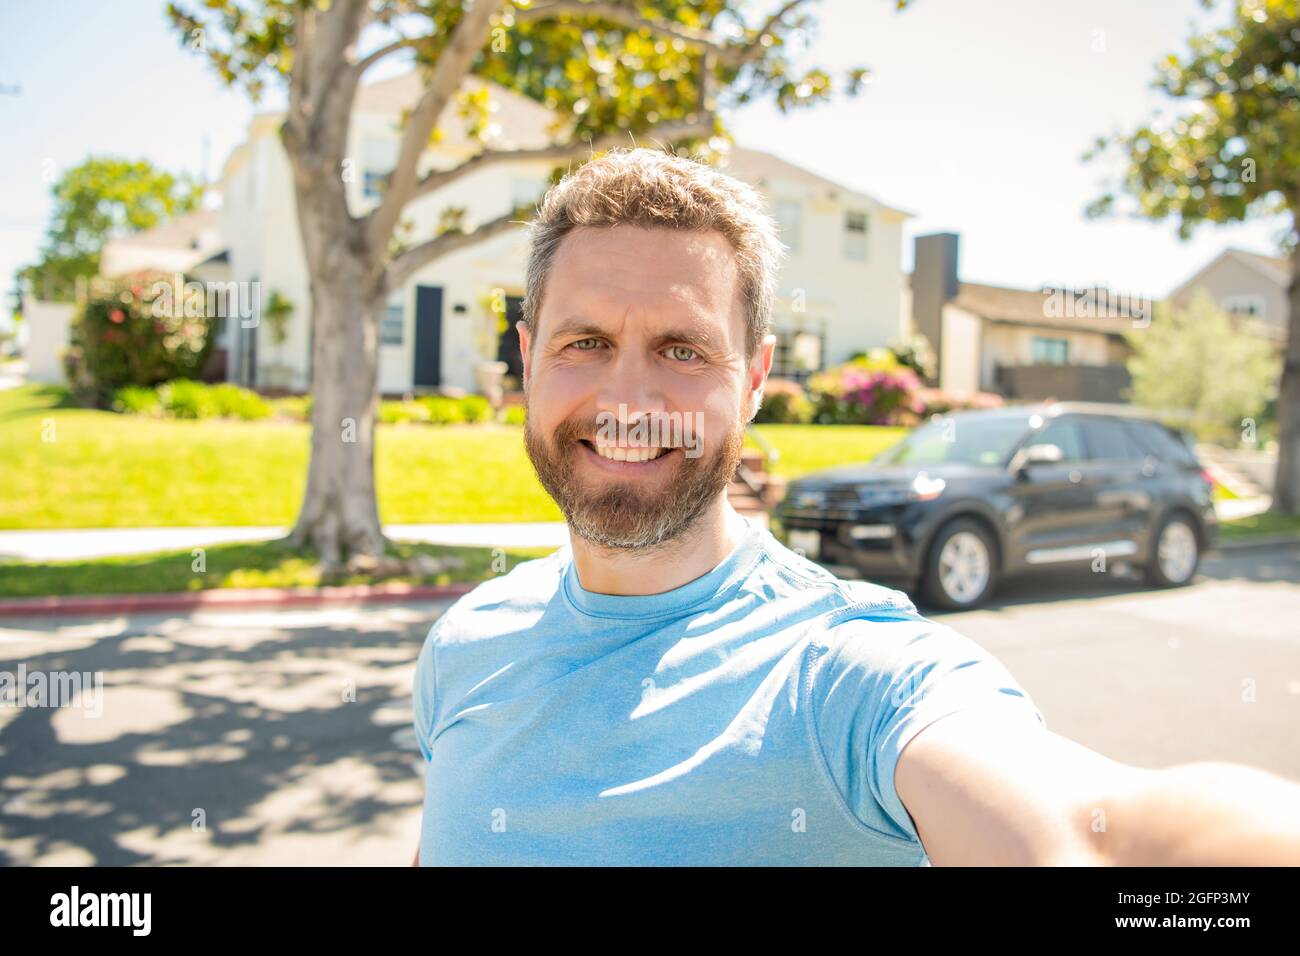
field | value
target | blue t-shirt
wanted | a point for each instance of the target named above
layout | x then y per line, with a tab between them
751	716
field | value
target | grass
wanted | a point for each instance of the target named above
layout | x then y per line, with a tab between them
1267	524
66	467
258	565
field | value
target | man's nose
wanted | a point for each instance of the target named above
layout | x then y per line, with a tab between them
630	388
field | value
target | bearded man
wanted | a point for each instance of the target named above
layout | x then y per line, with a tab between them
676	687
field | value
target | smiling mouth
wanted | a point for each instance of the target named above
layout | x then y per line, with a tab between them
626	453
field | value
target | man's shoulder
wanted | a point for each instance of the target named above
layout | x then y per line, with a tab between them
517	593
843	599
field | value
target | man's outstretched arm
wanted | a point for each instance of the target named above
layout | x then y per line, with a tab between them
986	788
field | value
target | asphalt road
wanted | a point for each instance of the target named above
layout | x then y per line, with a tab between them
263	737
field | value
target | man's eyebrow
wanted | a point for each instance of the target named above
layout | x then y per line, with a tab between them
575	325
705	338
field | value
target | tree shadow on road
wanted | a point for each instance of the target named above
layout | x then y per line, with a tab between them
290	725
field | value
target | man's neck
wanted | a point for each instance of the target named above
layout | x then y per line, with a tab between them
693	555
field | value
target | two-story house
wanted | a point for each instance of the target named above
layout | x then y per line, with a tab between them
1248	285
839	288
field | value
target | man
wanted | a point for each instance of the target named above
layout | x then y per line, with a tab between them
675	686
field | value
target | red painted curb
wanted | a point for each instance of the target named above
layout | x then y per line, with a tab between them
227	598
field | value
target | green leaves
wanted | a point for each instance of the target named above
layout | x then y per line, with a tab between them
105	196
1233	150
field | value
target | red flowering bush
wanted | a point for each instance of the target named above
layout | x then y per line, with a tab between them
131	332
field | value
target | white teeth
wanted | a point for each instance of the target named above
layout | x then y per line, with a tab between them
623	453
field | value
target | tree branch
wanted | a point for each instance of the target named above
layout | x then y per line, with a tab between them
400	269
370	59
453	64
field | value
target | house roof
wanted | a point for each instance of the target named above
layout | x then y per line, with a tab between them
1030	307
186	231
755	166
1270	267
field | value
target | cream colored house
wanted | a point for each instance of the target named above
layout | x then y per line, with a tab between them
839	291
1248	285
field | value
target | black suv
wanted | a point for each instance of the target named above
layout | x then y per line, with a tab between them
971	497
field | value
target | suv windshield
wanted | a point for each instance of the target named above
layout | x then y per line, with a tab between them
973	440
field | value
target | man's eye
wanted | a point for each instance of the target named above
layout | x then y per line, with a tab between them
586	345
682	353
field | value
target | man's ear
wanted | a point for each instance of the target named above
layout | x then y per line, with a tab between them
524	350
759	367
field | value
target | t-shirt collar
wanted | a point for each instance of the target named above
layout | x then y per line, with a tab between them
727	575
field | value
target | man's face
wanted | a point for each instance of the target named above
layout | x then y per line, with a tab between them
638	386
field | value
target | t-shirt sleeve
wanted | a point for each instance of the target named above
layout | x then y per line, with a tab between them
881	680
424	693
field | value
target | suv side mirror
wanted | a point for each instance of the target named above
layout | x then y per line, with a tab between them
1044	454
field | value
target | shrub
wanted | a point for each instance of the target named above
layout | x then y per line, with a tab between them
784	403
874	389
234	402
476	408
444	410
514	414
126	335
134	400
184	398
400	413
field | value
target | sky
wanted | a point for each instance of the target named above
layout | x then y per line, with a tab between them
975	122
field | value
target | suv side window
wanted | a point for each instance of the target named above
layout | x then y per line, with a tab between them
1159	441
1110	441
1064	433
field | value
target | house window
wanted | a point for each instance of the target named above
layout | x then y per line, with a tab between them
1246	305
1050	351
797	355
855	236
393	321
378	157
789	220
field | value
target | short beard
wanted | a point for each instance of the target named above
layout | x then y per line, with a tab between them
616	515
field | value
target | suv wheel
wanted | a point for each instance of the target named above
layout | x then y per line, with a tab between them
1177	553
960	569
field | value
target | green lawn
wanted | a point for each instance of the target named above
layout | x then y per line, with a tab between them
1262	525
256	565
64	467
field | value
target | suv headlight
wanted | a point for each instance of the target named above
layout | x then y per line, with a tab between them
922	488
925	488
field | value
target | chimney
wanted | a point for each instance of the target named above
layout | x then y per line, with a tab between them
934	282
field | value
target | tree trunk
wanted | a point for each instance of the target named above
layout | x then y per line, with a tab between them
1286	491
339	518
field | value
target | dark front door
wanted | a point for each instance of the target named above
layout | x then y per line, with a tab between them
428	336
508	351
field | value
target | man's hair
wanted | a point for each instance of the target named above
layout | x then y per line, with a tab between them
654	188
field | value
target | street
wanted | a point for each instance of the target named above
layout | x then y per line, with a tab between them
283	737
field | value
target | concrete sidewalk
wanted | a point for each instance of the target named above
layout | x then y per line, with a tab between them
76	543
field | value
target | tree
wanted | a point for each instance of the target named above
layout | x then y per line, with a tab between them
1232	153
105	196
1192	362
656	70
